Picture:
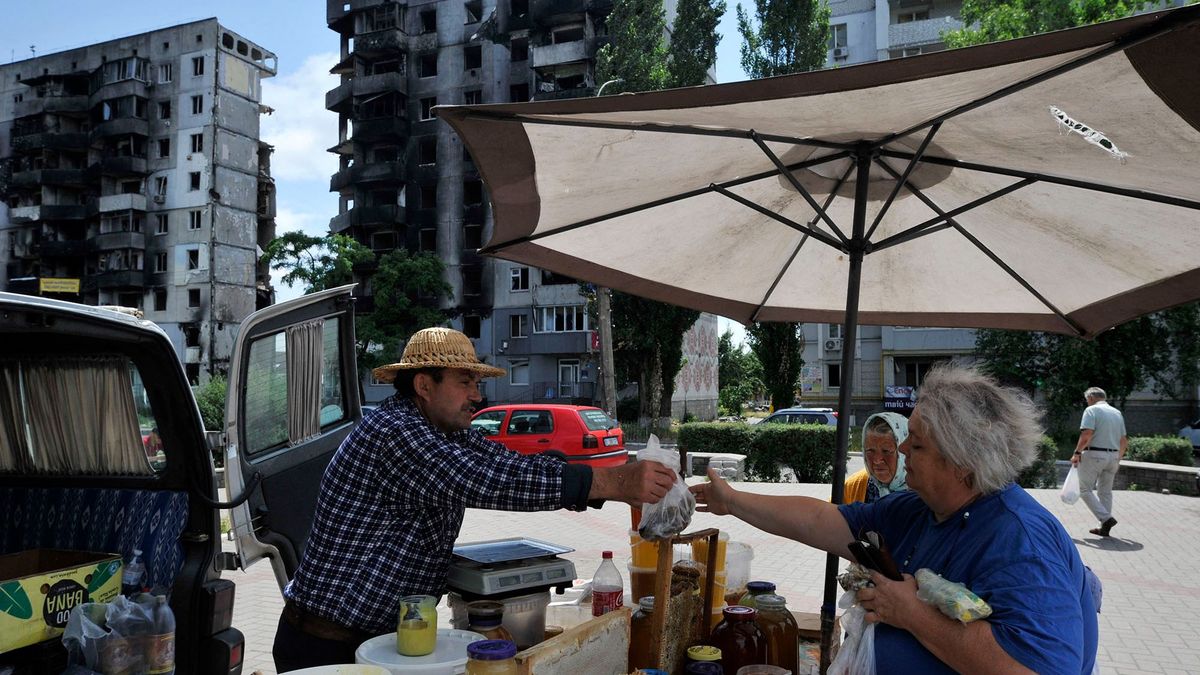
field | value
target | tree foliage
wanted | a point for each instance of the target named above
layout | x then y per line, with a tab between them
210	398
694	39
739	374
637	50
648	349
783	37
1158	351
778	347
407	288
993	20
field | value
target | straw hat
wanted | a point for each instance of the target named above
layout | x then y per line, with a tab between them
438	348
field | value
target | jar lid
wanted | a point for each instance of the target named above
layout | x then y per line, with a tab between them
760	587
647	603
704	653
704	668
740	613
492	650
770	601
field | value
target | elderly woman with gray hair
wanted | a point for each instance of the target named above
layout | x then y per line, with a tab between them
964	518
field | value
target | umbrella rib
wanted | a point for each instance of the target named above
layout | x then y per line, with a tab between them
812	203
487	250
652	126
900	182
815	234
1049	178
986	251
939	223
784	269
1171	22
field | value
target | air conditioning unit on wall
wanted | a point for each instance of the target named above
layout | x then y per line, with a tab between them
833	345
841	52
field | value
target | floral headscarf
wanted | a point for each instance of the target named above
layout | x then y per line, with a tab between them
875	488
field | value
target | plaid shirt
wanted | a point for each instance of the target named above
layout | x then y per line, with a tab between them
391	505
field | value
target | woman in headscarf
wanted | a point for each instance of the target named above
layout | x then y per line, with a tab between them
884	471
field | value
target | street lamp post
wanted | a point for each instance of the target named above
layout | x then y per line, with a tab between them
604	302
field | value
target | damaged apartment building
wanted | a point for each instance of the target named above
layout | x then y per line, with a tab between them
132	174
406	181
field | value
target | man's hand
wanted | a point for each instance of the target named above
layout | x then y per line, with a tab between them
715	496
892	602
636	483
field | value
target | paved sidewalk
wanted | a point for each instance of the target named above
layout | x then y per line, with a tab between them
1148	624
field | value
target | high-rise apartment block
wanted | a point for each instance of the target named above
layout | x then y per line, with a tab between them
406	181
132	174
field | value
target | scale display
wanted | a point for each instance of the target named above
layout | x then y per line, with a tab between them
505	550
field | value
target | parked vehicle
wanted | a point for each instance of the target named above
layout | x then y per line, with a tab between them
804	416
136	472
1192	433
582	433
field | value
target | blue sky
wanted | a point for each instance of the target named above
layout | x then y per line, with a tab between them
300	128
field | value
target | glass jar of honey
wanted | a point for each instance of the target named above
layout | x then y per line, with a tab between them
783	635
755	589
485	617
492	657
741	641
641	648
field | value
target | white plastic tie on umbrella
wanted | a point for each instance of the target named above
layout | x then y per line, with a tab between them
1065	122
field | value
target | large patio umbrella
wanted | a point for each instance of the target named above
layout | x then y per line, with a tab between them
1049	183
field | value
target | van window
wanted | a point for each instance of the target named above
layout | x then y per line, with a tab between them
52	422
293	385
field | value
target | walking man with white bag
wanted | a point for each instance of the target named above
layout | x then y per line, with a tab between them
1098	454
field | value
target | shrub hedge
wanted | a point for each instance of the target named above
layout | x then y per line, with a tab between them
1160	450
1043	473
806	449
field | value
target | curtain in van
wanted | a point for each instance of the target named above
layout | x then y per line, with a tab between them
304	358
80	413
14	448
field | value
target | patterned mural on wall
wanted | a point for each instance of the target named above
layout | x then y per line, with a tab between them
696	382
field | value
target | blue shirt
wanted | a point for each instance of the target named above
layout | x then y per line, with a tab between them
391	504
1012	553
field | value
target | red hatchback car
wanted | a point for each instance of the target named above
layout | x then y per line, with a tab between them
584	434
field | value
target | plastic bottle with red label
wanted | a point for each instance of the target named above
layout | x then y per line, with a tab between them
608	590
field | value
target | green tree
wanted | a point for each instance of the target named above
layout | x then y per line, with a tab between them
694	39
784	36
738	374
637	50
408	289
993	20
778	347
210	398
316	263
648	349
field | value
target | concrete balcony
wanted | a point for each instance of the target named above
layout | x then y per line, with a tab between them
28	214
135	202
34	179
381	172
116	279
920	33
126	126
120	89
119	166
543	10
381	43
340	98
370	217
541	56
381	129
191	355
119	241
49	141
51	104
560	94
64	249
339	14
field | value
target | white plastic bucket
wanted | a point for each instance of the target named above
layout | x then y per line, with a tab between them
448	658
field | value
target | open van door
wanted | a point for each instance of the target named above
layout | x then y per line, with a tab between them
293	397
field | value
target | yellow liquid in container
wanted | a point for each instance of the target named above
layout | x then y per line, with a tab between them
416	638
700	551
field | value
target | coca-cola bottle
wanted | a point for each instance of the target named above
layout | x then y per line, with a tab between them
607	588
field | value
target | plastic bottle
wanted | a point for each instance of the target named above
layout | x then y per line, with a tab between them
485	617
492	657
641	652
778	624
160	644
607	587
753	589
740	640
134	575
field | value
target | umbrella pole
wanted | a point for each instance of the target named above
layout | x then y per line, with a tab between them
856	245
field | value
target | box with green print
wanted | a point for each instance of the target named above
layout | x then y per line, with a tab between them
39	587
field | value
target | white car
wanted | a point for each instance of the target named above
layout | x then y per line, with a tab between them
1192	433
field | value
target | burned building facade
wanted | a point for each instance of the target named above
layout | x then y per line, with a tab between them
132	174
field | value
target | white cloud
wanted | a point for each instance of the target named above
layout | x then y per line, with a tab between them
301	129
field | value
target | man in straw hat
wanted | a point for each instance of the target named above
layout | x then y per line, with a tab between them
394	496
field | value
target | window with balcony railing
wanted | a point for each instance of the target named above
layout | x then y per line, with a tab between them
387	16
131	68
560	319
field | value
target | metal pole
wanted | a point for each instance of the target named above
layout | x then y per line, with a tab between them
604	297
849	337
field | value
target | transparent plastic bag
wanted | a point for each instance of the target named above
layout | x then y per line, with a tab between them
857	654
950	597
110	637
673	513
1070	488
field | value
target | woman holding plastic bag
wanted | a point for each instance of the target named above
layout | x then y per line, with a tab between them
964	519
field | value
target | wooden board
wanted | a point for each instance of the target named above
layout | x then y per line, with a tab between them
599	647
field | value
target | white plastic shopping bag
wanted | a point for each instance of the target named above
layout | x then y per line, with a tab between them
672	514
1070	489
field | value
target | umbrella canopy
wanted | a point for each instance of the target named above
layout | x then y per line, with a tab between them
1049	183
